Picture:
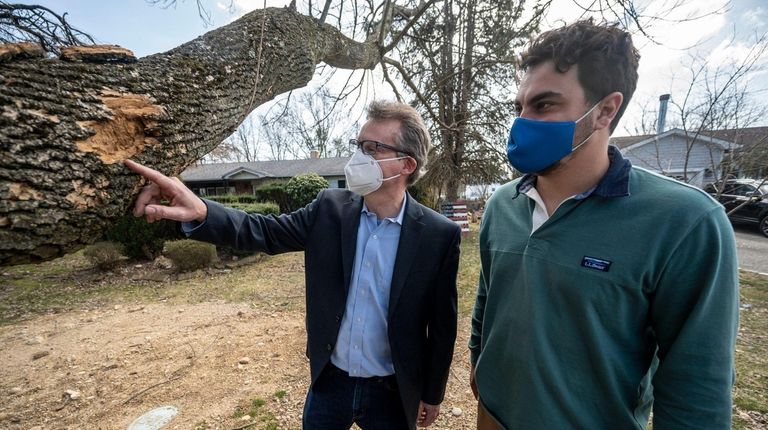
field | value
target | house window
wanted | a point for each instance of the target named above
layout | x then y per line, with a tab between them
341	183
220	191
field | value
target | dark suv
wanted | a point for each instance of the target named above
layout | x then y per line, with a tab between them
736	192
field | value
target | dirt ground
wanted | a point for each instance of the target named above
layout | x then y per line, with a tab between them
86	349
102	368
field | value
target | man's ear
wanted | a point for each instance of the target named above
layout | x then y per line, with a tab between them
409	166
609	108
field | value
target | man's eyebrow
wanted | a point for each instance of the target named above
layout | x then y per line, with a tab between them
544	95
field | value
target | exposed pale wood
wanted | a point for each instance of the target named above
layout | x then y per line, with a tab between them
10	51
97	54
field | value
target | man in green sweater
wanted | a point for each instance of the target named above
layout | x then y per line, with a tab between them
606	291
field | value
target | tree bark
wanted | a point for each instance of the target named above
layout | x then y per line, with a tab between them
66	127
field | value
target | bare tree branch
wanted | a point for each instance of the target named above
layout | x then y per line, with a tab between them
407	78
31	23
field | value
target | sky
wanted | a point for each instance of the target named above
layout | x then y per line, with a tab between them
722	39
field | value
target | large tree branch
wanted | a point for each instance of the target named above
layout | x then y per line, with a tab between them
66	126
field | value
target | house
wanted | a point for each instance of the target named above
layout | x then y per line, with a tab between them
480	191
698	159
243	178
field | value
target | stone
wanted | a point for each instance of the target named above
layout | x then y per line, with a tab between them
40	354
162	262
244	360
456	412
71	395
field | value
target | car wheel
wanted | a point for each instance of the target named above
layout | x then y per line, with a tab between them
764	226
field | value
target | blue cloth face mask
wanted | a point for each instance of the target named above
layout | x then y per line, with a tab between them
535	145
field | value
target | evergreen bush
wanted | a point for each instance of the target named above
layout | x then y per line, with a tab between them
188	255
228	199
264	208
274	192
141	239
302	189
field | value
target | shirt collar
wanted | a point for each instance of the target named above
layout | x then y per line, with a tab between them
615	182
398	219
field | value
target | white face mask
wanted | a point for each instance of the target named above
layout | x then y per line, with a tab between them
364	174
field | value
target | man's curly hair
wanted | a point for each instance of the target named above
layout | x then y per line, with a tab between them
606	57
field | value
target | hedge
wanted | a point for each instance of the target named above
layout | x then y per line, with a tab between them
265	208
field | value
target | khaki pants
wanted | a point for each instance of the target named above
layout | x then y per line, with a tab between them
484	419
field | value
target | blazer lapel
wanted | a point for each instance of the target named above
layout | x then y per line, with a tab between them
407	250
350	220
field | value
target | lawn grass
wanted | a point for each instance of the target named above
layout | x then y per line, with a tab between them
469	271
750	395
68	283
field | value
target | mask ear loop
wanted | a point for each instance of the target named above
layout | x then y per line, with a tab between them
583	141
390	159
590	134
588	112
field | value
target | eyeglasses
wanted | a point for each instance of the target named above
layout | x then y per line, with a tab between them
372	147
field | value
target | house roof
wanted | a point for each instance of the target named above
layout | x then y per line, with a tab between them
625	141
268	169
744	137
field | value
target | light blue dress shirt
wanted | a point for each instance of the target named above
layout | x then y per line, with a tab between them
362	348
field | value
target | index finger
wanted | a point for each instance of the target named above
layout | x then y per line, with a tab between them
149	173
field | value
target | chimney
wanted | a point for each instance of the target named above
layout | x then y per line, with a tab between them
314	154
663	100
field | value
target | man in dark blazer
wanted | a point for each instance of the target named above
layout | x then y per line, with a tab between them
380	276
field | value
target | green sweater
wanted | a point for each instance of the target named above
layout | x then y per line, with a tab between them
571	321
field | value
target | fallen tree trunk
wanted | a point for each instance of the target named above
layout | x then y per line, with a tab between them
66	125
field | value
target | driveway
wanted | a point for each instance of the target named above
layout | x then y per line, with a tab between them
752	248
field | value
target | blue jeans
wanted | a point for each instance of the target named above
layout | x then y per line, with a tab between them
337	400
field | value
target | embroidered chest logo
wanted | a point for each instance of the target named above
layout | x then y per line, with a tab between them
596	263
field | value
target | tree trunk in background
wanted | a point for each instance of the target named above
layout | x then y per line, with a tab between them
66	127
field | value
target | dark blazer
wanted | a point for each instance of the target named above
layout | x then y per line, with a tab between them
422	302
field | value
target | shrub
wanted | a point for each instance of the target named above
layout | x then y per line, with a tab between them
141	239
223	199
274	192
265	208
104	255
304	188
188	255
233	198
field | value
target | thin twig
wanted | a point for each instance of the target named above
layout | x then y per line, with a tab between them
244	426
151	387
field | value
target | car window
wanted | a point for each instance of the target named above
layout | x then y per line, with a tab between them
749	191
744	190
